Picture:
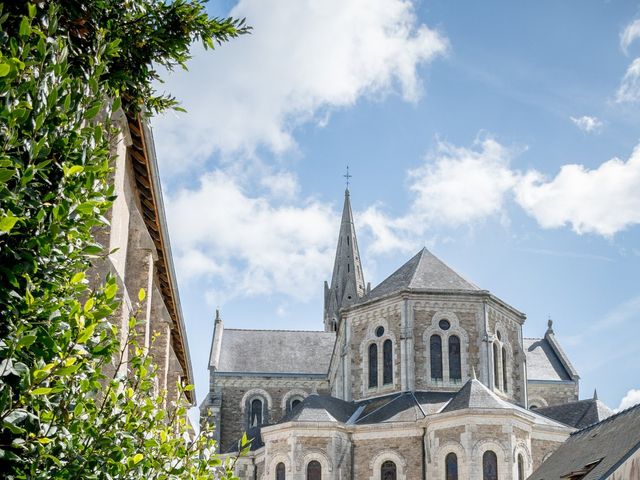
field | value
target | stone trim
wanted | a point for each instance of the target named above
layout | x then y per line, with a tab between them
441	455
522	448
538	401
455	329
369	339
255	392
376	464
502	454
319	455
506	344
284	403
271	467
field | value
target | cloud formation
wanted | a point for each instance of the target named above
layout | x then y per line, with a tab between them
251	243
299	63
629	400
629	89
587	124
629	34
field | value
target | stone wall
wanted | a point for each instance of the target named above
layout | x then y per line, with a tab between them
405	450
541	449
543	394
234	392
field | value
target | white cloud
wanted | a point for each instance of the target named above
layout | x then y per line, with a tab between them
630	33
304	58
455	186
629	90
267	246
629	400
587	124
604	200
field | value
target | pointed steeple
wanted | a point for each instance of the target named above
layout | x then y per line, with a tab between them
347	281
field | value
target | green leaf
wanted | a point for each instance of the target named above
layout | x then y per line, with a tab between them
7	223
93	111
42	391
86	333
73	170
25	27
78	277
111	290
26	341
5	68
142	294
6	174
137	458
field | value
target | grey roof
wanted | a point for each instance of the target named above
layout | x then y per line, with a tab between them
423	272
321	408
403	407
578	414
475	395
609	443
275	351
546	360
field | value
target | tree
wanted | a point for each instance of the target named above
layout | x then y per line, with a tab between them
65	66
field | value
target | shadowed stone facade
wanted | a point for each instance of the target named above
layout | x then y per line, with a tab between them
424	376
140	257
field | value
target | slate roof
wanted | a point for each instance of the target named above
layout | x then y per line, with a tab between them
321	408
275	351
423	272
543	362
578	414
609	443
476	396
403	407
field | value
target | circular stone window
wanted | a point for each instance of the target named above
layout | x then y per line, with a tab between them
379	331
444	324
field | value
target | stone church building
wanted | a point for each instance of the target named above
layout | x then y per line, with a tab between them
425	376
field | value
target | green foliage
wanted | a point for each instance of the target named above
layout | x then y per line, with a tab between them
64	68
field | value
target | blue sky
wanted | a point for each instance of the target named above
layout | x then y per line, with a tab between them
504	136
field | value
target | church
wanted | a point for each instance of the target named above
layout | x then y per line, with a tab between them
425	376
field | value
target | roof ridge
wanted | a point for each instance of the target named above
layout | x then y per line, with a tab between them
398	395
420	254
455	272
615	415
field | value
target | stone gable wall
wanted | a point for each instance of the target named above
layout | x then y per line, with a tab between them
551	393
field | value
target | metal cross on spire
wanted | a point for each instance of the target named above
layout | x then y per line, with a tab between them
347	176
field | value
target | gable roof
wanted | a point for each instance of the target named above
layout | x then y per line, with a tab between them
578	414
609	443
275	351
423	272
543	363
403	407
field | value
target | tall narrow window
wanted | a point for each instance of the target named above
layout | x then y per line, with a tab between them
455	365
387	362
436	357
314	470
280	471
255	413
520	467
489	466
388	471
451	466
496	367
504	368
373	365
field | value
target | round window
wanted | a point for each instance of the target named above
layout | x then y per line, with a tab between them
379	331
444	324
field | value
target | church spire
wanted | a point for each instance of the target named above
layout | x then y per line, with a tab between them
347	281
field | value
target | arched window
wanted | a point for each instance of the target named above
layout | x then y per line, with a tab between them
280	471
314	470
255	413
388	471
455	365
387	362
451	466
294	402
520	467
496	366
489	466
435	345
504	368
373	365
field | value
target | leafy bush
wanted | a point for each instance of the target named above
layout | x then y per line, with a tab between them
65	67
